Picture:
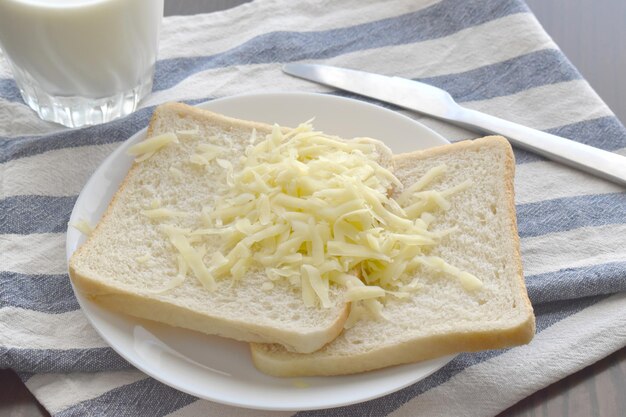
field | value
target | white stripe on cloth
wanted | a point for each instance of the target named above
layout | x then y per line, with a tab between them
34	254
5	70
16	118
60	391
59	173
576	248
27	329
545	180
453	50
562	349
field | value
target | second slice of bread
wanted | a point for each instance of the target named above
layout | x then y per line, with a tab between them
441	317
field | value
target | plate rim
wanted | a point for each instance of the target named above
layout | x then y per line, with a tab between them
72	244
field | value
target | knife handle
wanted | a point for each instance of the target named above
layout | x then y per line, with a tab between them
608	165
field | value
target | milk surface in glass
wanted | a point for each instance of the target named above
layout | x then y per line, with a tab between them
81	62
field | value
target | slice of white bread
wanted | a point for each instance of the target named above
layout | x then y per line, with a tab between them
441	318
127	260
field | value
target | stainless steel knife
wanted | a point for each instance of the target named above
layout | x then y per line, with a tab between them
433	101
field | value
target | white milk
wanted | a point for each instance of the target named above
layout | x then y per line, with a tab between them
87	48
81	49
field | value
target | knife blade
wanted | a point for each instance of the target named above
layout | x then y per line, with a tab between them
433	101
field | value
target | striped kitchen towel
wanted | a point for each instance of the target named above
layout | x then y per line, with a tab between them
491	55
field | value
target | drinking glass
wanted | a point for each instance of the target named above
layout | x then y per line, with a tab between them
81	62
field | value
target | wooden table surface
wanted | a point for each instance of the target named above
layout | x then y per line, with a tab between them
593	35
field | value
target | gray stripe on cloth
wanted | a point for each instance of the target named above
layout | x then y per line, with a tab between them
546	314
573	283
35	214
61	360
9	90
561	214
544	67
147	397
606	133
44	293
286	46
25	376
115	131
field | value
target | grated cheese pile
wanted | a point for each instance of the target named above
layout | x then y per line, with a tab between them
314	211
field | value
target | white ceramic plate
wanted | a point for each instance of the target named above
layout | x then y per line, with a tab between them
219	369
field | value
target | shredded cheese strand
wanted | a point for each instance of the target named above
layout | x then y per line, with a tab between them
148	147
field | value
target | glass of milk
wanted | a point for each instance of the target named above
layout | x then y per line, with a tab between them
81	62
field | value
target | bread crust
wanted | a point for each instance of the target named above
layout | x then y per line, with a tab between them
138	305
410	351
